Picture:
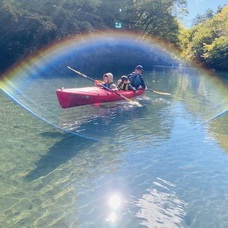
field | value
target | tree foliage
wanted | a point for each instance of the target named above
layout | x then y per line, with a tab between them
26	26
156	18
202	18
216	54
208	43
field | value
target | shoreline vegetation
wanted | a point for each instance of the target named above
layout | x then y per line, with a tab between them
27	26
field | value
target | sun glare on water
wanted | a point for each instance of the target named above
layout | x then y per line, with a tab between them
115	203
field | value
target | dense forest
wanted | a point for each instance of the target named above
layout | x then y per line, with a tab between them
26	26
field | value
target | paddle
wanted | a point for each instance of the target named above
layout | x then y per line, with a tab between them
85	76
161	93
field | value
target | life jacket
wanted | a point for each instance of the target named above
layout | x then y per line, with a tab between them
123	86
136	80
109	85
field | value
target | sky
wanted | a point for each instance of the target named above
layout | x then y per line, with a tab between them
196	7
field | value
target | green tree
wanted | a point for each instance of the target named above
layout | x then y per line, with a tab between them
202	18
208	41
216	54
22	31
183	38
199	36
29	25
156	18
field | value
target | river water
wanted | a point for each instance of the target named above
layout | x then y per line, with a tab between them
116	165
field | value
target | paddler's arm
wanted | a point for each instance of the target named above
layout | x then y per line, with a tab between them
98	83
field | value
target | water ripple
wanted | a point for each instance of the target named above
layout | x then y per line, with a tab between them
161	207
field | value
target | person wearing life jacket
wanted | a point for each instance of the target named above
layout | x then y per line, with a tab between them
136	78
107	82
124	84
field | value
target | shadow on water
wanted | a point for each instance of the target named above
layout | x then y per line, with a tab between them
58	154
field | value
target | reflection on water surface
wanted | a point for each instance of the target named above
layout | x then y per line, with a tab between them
157	165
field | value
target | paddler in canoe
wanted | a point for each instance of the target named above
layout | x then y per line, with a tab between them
124	84
136	78
107	82
72	97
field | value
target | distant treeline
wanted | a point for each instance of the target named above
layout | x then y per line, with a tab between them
26	26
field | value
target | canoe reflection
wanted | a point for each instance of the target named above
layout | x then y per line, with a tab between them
101	122
120	121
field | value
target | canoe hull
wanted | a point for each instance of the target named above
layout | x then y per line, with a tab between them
90	95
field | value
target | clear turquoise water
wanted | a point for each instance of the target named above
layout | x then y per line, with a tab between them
162	165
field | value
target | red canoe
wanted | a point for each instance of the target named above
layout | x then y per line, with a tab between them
91	95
